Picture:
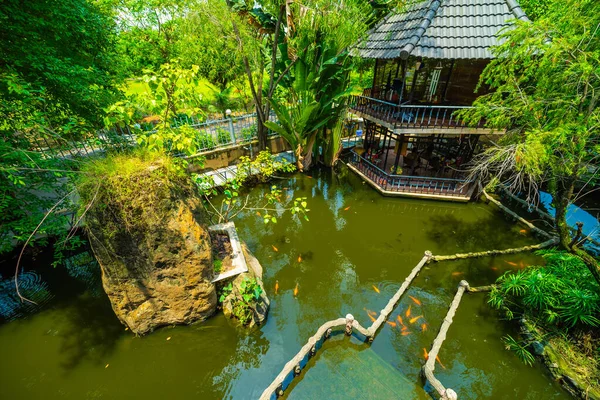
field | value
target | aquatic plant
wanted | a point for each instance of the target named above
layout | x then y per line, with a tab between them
244	305
562	293
520	349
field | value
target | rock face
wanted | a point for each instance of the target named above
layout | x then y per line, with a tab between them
155	255
262	305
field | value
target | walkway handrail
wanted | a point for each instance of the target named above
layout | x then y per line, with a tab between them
293	367
429	366
412	116
413	105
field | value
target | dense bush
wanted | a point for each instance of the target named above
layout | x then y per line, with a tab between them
562	293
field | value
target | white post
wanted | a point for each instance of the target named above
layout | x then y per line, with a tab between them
349	322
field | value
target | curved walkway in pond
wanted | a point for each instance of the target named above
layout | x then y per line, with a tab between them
294	367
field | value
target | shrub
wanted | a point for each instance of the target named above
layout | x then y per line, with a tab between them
561	293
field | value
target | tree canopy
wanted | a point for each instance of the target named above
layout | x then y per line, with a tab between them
545	86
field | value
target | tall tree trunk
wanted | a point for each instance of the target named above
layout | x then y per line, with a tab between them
562	199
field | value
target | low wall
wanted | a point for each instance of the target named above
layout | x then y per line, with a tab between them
226	156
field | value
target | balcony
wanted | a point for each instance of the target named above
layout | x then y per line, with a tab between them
411	186
416	118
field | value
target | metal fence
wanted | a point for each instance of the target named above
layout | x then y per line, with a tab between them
411	184
413	116
211	135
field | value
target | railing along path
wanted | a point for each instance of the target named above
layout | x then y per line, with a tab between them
294	367
296	364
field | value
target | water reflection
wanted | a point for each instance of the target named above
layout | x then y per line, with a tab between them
76	348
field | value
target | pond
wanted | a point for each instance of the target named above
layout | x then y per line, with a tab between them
355	241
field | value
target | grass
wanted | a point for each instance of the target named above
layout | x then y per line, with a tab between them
581	366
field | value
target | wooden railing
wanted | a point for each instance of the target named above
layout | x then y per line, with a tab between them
411	115
411	184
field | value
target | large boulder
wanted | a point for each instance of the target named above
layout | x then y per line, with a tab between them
145	229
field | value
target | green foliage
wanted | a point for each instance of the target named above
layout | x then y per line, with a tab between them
561	293
218	266
204	140
244	306
132	191
172	92
545	91
312	102
519	348
223	136
261	169
535	9
24	174
225	291
249	133
63	48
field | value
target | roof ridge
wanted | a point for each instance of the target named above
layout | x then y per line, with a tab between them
516	9
427	18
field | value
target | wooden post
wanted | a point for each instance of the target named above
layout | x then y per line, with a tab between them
349	322
448	81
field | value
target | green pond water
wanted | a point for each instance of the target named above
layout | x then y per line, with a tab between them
76	349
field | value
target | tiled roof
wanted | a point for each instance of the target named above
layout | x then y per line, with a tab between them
447	29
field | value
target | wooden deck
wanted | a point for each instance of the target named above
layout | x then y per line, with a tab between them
411	186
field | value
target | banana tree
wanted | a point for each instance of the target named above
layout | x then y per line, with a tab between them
299	119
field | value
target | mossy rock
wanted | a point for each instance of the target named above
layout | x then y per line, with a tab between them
145	226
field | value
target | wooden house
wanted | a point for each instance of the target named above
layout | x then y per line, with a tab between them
428	60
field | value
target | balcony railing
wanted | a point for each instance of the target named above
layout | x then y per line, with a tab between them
410	115
411	184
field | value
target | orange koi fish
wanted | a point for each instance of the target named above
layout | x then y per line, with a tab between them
494	268
375	289
347	208
511	263
457	273
390	323
257	213
274	248
407	311
438	360
423	327
405	333
276	287
404	328
415	319
417	302
425	354
296	290
300	258
371	318
400	320
523	231
309	177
